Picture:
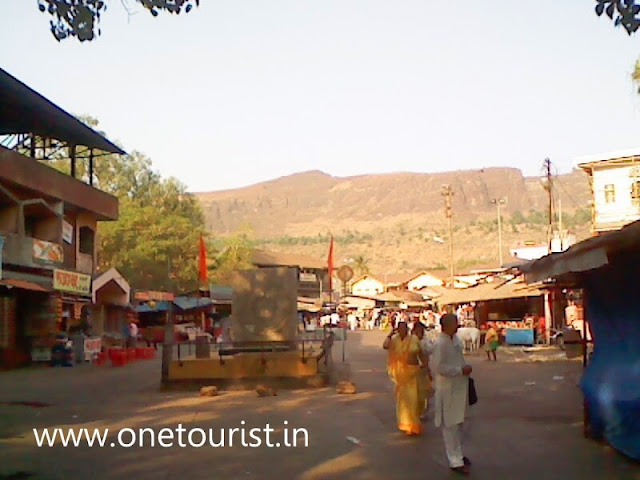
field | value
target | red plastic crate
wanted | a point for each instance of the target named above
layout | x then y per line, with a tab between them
131	354
101	358
118	358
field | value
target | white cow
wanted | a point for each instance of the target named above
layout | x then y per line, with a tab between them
470	338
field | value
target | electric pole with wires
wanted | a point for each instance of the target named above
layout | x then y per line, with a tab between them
447	193
548	186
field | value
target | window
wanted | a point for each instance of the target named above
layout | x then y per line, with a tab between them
30	226
635	193
86	240
609	193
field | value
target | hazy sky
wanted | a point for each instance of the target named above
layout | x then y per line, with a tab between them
240	91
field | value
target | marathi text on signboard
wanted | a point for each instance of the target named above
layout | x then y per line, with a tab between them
72	282
146	296
67	232
47	251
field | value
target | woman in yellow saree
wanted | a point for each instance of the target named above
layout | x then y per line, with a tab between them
404	370
425	384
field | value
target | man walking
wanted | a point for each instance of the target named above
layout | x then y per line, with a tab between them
452	392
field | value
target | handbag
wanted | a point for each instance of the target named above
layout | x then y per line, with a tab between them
473	395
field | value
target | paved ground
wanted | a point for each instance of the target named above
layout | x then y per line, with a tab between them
527	425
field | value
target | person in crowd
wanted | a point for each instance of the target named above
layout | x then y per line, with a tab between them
352	321
452	392
404	367
425	388
132	340
491	341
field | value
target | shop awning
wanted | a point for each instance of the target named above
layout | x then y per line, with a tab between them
485	292
23	285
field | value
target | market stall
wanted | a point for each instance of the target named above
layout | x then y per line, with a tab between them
510	305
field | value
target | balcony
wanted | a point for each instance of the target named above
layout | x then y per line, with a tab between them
31	252
42	180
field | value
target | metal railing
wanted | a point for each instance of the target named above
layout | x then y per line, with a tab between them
305	346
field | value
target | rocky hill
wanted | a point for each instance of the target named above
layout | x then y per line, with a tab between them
381	217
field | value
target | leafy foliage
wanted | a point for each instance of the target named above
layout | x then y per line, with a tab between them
361	265
155	241
347	237
233	253
624	13
80	18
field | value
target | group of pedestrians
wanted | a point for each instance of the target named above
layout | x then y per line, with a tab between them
419	368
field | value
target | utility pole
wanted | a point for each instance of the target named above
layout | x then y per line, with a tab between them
548	186
499	202
167	345
447	193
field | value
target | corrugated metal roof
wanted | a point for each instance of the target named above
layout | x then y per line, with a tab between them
483	292
23	110
221	293
264	258
183	303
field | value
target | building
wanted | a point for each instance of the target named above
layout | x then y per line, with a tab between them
313	274
412	281
111	297
48	221
367	286
615	188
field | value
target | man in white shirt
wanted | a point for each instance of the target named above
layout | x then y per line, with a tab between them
451	392
133	335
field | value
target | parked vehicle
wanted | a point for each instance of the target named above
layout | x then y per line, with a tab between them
62	351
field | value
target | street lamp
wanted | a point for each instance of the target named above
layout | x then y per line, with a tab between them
447	193
499	202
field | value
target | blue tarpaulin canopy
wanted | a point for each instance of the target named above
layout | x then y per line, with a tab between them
182	303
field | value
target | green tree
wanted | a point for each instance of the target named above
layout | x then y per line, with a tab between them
517	218
235	254
154	243
361	265
625	13
81	18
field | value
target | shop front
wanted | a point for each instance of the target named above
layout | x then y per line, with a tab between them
72	298
24	308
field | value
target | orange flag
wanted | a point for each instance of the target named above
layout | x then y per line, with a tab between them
330	265
202	262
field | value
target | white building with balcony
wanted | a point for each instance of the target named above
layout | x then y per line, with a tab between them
615	188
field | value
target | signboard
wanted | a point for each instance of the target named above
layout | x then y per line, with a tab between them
72	282
92	347
145	296
47	251
308	277
345	273
67	232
